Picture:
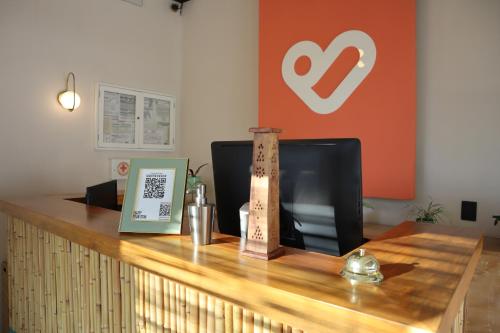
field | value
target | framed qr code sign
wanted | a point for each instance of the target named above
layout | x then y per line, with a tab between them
154	196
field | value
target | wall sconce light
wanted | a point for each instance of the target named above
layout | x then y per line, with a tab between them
69	99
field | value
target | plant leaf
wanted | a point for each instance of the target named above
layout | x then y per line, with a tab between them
199	168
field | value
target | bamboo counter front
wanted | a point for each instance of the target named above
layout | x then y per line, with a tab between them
71	271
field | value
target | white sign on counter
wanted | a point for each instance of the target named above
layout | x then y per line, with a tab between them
155	190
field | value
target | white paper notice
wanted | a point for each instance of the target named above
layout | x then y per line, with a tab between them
156	121
155	190
119	118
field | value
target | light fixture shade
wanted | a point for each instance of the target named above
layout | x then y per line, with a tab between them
68	98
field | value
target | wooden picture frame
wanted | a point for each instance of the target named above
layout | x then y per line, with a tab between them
154	196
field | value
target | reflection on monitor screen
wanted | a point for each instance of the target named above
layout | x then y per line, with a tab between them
320	191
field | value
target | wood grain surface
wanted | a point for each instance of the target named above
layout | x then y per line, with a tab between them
427	271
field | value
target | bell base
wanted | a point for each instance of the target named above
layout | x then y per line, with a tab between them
361	278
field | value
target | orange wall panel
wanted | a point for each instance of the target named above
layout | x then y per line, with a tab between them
315	54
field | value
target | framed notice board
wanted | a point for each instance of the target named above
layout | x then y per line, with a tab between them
134	119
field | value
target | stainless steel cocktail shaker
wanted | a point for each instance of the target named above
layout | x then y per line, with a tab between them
201	217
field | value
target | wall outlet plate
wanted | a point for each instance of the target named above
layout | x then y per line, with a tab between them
120	168
469	211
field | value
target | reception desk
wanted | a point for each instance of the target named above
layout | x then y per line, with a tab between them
70	270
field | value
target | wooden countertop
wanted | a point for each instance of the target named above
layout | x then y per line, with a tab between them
427	269
373	230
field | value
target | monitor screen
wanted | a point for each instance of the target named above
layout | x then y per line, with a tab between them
320	191
103	195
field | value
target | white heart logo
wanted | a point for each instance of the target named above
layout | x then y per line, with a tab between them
302	85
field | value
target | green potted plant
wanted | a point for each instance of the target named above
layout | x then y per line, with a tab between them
431	213
193	179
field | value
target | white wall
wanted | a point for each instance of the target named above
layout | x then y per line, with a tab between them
220	74
458	149
458	86
44	149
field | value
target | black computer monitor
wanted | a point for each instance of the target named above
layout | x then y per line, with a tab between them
103	195
320	191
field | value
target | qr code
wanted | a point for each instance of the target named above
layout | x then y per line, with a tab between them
154	187
164	209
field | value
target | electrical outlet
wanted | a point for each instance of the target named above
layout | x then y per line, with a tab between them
469	211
